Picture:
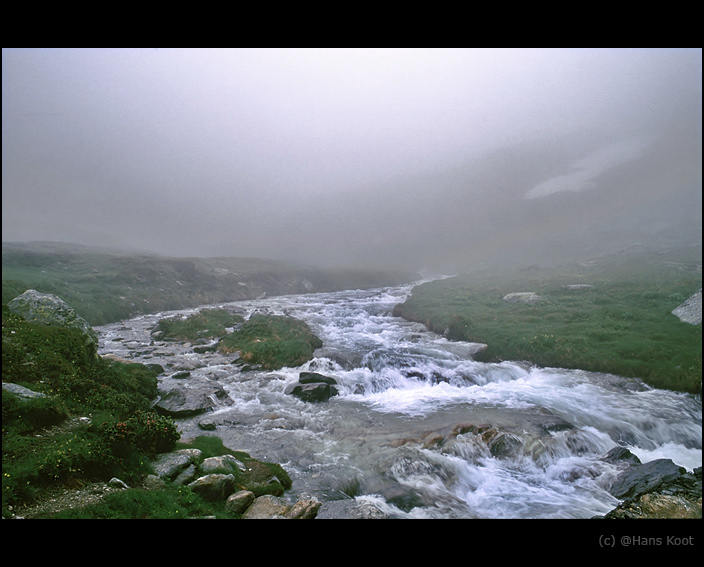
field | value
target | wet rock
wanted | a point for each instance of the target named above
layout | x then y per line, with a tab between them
658	506
621	454
350	510
679	498
207	425
316	392
640	479
505	445
315	377
313	387
194	398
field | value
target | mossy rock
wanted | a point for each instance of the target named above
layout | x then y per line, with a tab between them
272	342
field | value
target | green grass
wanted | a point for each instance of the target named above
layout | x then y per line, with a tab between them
272	342
207	324
622	325
170	503
124	432
180	502
107	287
58	363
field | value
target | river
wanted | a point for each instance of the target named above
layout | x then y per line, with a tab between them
418	426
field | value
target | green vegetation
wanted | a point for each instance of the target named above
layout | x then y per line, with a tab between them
180	502
207	324
622	324
56	362
106	286
46	446
272	341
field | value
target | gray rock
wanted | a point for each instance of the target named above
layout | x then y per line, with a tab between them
266	507
239	501
187	475
317	392
228	463
115	482
315	378
303	510
214	487
192	399
169	465
49	310
350	510
207	425
21	391
691	310
528	297
640	479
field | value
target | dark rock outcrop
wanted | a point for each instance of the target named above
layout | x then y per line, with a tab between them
313	387
656	490
643	478
197	397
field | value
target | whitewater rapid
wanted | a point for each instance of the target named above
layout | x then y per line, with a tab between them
421	428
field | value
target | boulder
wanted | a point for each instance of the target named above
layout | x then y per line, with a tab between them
266	507
239	501
691	310
350	510
214	487
528	297
313	387
316	392
647	477
168	465
269	507
194	398
227	463
47	309
314	378
21	391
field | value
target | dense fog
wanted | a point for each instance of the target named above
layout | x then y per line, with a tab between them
399	158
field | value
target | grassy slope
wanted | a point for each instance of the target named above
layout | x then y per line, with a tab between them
622	325
105	287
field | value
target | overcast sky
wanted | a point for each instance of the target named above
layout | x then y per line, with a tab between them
390	157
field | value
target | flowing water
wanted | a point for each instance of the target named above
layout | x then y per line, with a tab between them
421	428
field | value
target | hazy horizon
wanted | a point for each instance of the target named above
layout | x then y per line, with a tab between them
394	158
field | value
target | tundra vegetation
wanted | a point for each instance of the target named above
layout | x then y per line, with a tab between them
613	315
46	446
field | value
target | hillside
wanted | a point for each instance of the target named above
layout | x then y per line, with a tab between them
105	286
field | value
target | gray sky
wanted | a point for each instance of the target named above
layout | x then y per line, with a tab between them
419	158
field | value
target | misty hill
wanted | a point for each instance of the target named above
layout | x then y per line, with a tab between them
105	285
